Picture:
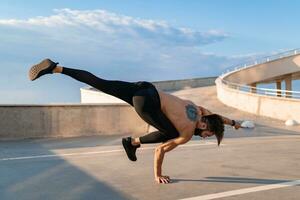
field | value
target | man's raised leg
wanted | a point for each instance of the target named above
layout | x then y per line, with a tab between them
120	89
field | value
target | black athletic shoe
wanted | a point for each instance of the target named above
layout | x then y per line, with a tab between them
44	67
129	148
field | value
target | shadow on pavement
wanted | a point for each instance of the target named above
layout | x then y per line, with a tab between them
47	178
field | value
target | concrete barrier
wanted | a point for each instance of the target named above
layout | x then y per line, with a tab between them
71	120
281	67
92	95
68	120
273	107
172	85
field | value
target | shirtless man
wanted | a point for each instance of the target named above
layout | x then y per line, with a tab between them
176	120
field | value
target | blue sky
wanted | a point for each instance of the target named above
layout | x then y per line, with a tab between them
135	40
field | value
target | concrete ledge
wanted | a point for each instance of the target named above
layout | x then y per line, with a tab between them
172	85
82	119
38	121
92	95
274	107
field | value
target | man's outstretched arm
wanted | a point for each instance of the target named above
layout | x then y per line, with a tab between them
226	120
159	157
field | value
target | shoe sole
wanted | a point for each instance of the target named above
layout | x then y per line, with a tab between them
36	69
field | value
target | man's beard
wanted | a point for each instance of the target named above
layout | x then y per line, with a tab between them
198	131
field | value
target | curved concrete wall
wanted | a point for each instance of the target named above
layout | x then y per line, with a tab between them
274	107
36	121
264	71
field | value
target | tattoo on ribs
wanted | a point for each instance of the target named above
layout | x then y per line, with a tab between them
191	112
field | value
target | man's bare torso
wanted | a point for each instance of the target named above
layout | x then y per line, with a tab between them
184	114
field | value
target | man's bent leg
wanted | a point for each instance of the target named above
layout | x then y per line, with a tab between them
153	137
131	144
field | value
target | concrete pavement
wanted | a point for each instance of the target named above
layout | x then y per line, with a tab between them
250	164
97	168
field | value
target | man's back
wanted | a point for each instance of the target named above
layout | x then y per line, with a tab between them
182	113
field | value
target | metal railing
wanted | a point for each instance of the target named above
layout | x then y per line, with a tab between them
261	60
262	91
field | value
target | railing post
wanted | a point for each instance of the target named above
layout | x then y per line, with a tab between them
253	88
288	86
278	87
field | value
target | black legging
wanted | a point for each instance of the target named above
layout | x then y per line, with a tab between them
142	95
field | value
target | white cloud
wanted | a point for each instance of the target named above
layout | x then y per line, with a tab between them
111	24
110	45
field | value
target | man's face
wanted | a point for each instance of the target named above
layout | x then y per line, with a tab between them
206	133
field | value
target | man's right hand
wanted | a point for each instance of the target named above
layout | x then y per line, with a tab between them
162	179
237	125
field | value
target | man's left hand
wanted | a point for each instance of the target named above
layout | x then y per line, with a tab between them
163	179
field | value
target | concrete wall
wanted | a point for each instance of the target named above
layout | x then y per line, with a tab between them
274	107
36	121
69	120
91	95
184	84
